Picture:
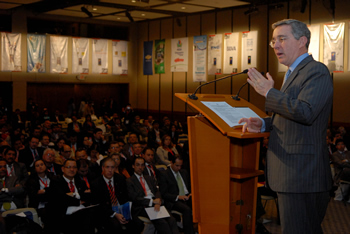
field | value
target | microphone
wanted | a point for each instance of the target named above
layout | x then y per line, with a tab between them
237	95
193	95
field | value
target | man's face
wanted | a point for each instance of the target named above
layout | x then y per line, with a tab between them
47	124
40	166
149	156
114	148
10	156
139	166
81	155
176	166
34	143
69	169
340	146
45	141
98	135
3	169
167	122
137	149
73	139
121	145
74	119
108	169
132	139
18	144
288	51
36	132
137	119
83	171
66	151
49	156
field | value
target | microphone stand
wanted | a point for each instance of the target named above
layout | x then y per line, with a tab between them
237	95
193	95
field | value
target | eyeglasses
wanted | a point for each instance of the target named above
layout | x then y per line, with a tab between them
279	39
50	154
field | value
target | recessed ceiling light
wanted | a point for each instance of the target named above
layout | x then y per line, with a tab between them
143	14
183	8
118	18
94	9
133	0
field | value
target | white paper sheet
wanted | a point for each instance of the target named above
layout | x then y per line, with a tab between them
152	214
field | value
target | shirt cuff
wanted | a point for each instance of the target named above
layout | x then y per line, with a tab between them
113	215
263	127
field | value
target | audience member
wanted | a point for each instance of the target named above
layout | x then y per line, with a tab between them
166	151
119	167
31	154
155	136
14	168
88	125
49	156
150	168
341	161
65	154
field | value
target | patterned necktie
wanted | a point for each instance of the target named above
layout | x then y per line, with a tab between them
112	194
143	185
71	186
180	184
286	76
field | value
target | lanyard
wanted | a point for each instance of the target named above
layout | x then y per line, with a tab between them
44	183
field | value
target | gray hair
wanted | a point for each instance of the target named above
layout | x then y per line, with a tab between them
299	29
49	149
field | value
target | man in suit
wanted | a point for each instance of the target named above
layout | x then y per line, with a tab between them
175	187
30	154
341	161
110	218
297	158
49	160
143	192
150	168
14	168
74	126
66	199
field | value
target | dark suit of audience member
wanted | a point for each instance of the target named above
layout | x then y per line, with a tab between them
341	161
175	187
155	136
74	127
15	168
140	200
28	155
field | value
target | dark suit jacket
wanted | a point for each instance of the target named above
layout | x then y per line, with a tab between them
32	186
169	188
26	156
70	127
146	172
297	157
100	193
57	169
15	194
21	172
339	166
151	140
136	194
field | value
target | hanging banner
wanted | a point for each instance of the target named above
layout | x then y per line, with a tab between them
333	47
179	54
120	57
147	57
11	59
249	49
36	53
80	55
200	58
159	56
214	54
230	53
59	54
314	47
99	56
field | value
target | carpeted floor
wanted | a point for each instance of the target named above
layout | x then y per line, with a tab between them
336	221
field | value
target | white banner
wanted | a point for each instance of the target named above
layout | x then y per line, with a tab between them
120	57
80	55
249	49
59	54
100	56
214	54
333	47
314	47
11	59
36	53
179	54
200	58
230	53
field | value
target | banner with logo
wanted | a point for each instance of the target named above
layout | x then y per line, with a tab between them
11	59
99	56
314	47
36	53
159	46
80	55
59	54
249	49
120	57
214	54
230	53
333	46
200	58
147	57
179	54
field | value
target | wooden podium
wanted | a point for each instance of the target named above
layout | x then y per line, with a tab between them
224	168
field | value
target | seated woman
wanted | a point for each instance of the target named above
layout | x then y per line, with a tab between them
88	125
37	186
119	165
166	151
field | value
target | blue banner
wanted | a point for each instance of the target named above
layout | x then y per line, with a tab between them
147	57
36	46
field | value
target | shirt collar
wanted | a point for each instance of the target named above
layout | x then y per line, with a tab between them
107	180
297	61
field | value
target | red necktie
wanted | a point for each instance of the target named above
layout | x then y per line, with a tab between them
71	186
151	169
112	194
143	185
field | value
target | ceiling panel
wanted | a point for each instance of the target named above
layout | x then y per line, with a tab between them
68	13
99	9
7	6
137	3
179	7
118	18
217	3
145	15
23	1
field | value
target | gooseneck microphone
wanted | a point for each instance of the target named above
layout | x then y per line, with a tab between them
193	95
237	95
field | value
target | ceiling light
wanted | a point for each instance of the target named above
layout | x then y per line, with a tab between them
183	8
143	14
94	9
133	0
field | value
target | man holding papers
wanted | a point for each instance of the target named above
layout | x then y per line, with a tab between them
144	193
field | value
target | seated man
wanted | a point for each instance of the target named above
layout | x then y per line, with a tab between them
49	160
66	200
341	161
143	192
65	154
98	141
12	193
15	168
174	184
109	191
150	168
30	154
